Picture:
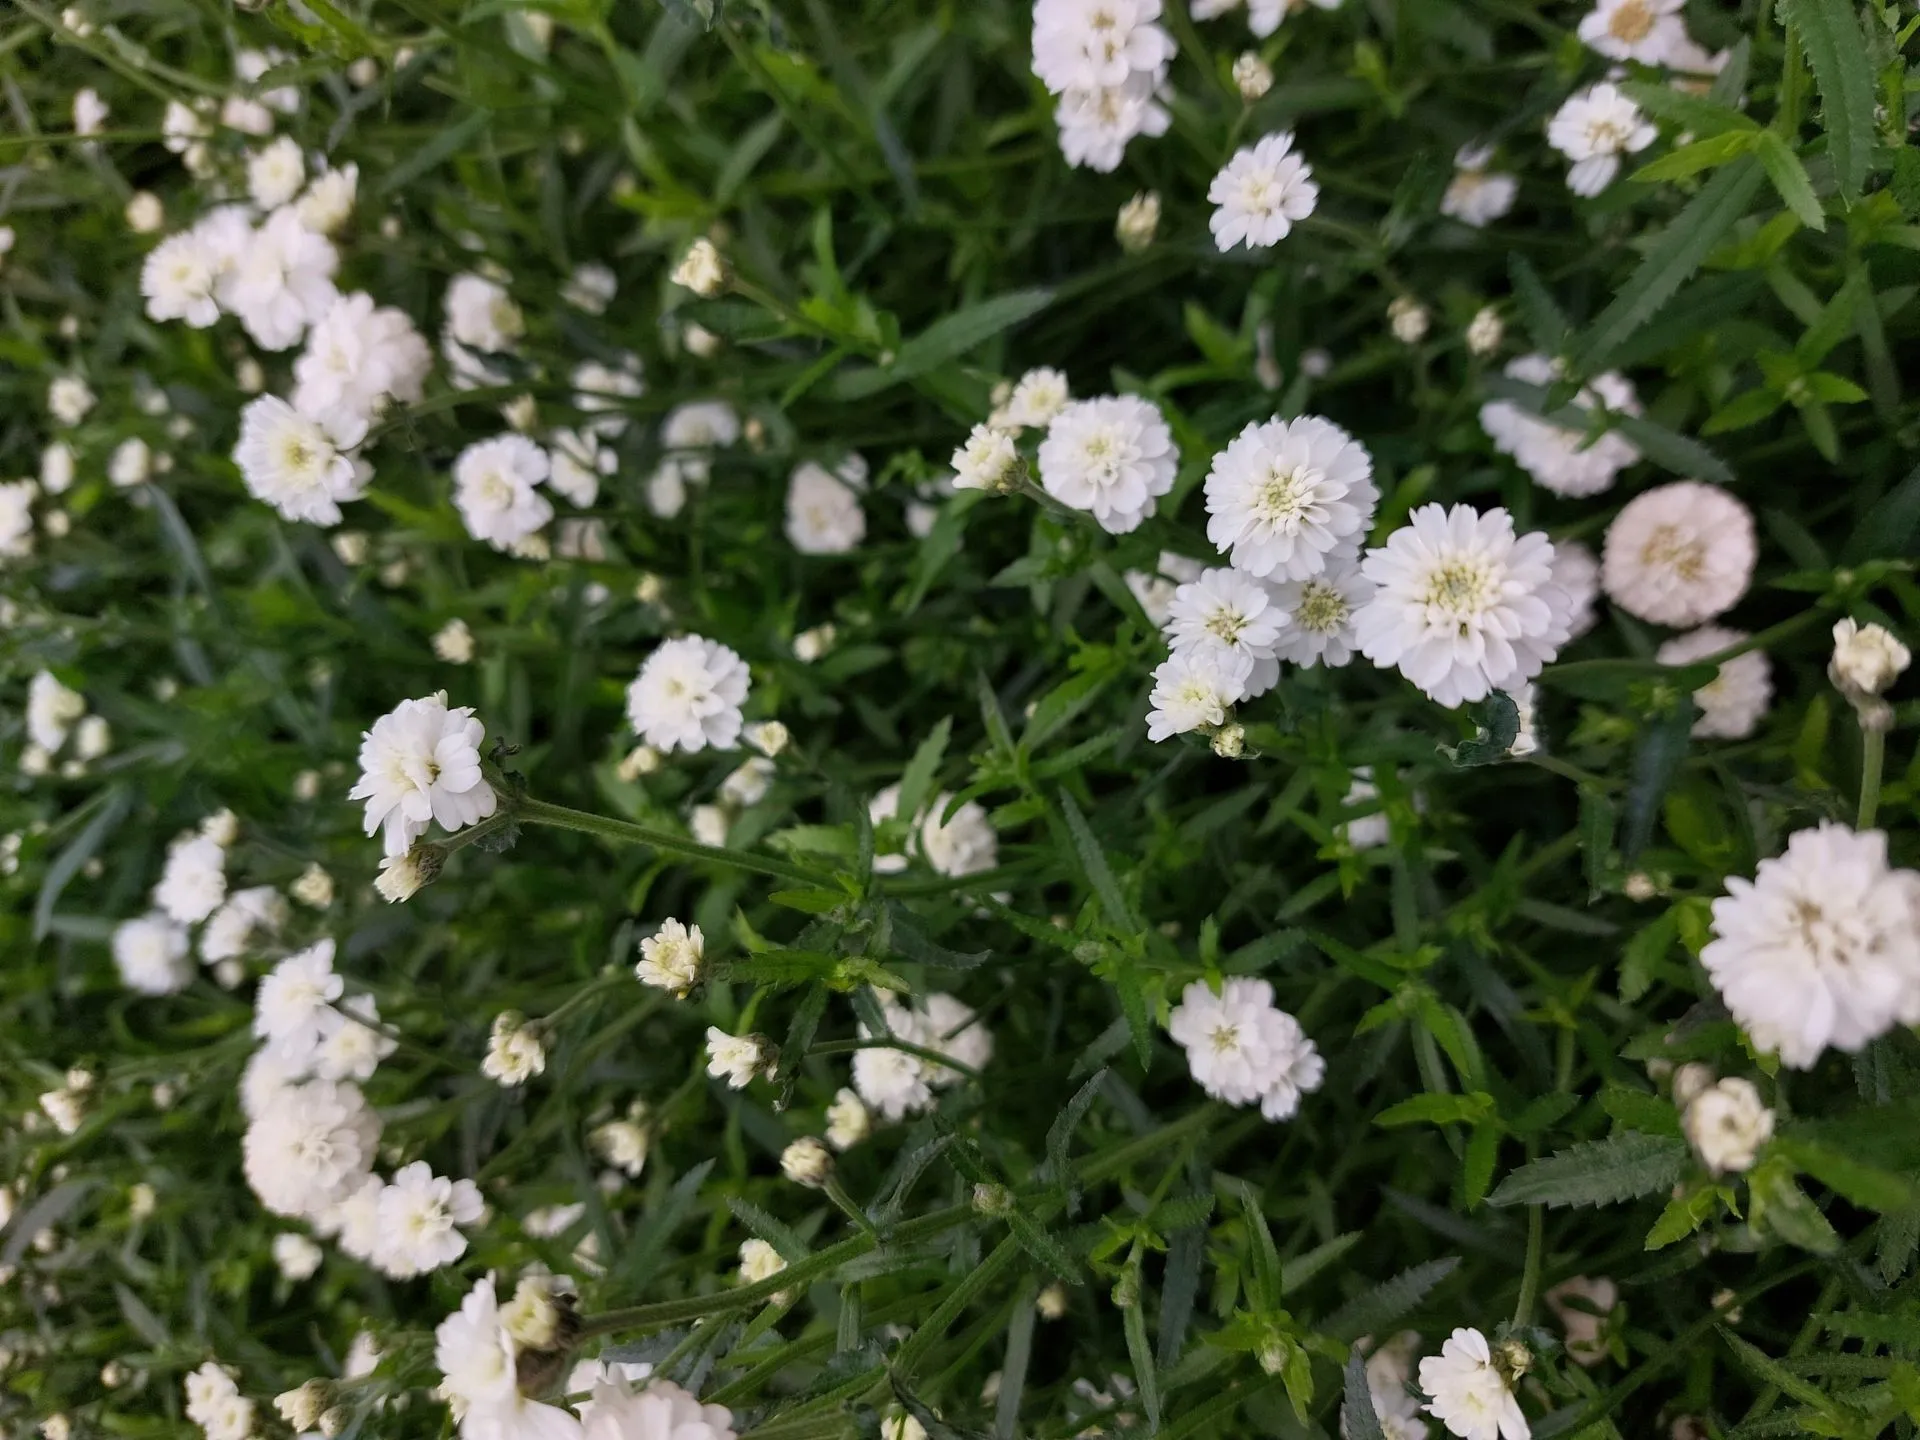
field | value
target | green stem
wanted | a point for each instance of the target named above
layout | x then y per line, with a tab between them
542	812
890	1042
1772	635
1530	1276
1873	758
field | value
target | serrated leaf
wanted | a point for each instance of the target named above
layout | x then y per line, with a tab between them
1093	864
1437	1110
1373	1312
1789	178
916	781
1670	450
1624	1166
1358	1419
1543	318
1060	1135
1865	1184
913	943
1656	761
1837	51
1701	155
1302	1269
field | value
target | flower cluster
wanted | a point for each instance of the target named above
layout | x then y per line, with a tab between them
1107	60
896	1083
1244	1049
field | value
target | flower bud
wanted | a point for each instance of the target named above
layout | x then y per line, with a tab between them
1866	659
807	1161
994	1201
1252	77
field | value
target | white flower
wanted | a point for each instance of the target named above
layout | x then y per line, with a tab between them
418	1213
1286	494
1485	331
733	1058
251	65
205	1389
352	1045
494	489
1113	456
89	112
769	737
453	642
151	955
708	824
481	320
1475	197
671	958
1364	832
810	645
1577	573
1252	76
1138	221
1679	554
69	398
260	909
1228	610
1593	129
701	269
896	1083
294	1006
1464	607
1264	191
1264	16
178	278
688	696
1389	1370
52	710
57	468
1155	591
759	1261
748	783
807	1161
660	1411
328	203
1193	689
987	461
1037	397
1821	947
1559	459
183	128
302	467
1323	611
1649	31
700	425
1469	1396
533	1316
282	282
1866	658
515	1052
602	391
823	515
591	287
194	881
1095	125
310	1146
295	1256
477	1358
358	357
964	845
1242	1049
266	1074
16	518
276	173
131	463
1085	44
420	763
1726	1124
1408	319
313	887
624	1143
401	878
1733	702
579	462
1582	1306
848	1122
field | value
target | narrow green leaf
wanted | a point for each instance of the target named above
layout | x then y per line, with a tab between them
1701	116
1179	1284
1358	1419
950	337
1477	1166
1436	1110
1835	321
1624	1166
1656	760
1672	451
1715	150
448	143
1686	241
1543	318
1141	1353
1060	1135
1300	1271
1764	1368
1789	177
1013	1370
912	942
1372	1312
916	781
1865	1184
1093	864
1837	51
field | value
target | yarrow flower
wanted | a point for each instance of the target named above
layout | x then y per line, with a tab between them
1468	1394
1286	494
1464	607
963	845
688	695
515	1052
1113	457
359	356
1243	1049
1576	570
823	512
1679	554
151	955
1866	658
671	958
194	881
1262	193
987	461
893	1083
1593	129
1228	610
311	1144
495	489
1733	702
418	1215
1476	196
1559	459
1821	947
1194	689
178	279
420	763
1037	397
1106	60
734	1058
1649	31
481	320
1727	1123
301	466
281	280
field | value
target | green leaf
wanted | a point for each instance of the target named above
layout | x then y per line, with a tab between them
1544	320
1671	450
1891	526
1776	1203
1141	1353
1477	1165
1298	1272
1358	1419
1499	721
1675	255
636	1266
1837	51
1437	1110
1093	864
946	339
1060	1134
114	805
1701	116
912	942
1789	177
1372	1312
917	780
1865	1184
1656	760
1835	321
1701	155
1742	411
1768	1371
1684	1215
1640	1110
1038	1242
444	146
1624	1166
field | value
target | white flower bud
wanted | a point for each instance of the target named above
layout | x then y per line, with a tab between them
769	737
848	1121
400	878
145	214
314	888
1138	221
302	1408
1252	77
1409	319
807	1161
1866	658
515	1053
1727	1124
453	642
701	269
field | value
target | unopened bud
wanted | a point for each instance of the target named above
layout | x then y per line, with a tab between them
992	1200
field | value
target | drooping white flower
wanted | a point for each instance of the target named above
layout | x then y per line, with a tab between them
276	172
418	1215
131	463
420	763
303	467
89	112
671	958
1408	319
1113	456
151	955
688	696
1193	689
358	357
178	278
1464	607
1727	1123
1264	191
1866	658
1649	31
1228	610
194	881
282	281
1593	129
57	468
701	269
1733	702
823	514
734	1058
1476	196
310	1146
1243	1049
259	910
748	783
1679	554
1559	459
453	642
1486	330
1821	947
1468	1394
1582	1305
1286	494
591	287
1577	572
